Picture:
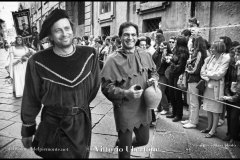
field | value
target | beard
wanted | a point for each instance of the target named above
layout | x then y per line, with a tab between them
61	44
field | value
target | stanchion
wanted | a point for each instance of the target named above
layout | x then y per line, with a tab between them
200	95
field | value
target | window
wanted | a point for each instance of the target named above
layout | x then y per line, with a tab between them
105	7
150	25
193	6
106	31
81	12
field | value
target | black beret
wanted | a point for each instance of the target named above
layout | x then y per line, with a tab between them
53	17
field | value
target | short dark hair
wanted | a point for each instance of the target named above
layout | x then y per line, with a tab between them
126	25
148	40
186	32
173	37
159	31
85	38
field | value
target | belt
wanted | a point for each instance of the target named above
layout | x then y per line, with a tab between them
64	111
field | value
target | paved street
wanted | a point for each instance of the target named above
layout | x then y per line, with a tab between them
167	139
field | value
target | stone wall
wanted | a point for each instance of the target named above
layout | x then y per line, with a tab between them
217	18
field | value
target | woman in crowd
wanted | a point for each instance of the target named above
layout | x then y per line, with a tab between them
213	72
232	78
177	67
228	43
19	55
150	48
142	43
193	70
162	60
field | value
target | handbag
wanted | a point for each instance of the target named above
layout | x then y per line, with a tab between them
201	86
182	81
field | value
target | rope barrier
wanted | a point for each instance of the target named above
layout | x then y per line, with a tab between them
200	95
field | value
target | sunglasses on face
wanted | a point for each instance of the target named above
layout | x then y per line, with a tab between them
171	41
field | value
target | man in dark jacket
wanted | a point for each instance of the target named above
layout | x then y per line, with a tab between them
62	81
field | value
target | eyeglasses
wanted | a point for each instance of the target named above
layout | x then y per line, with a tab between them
171	41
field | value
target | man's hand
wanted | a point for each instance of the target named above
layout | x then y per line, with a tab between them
27	141
152	81
131	93
227	98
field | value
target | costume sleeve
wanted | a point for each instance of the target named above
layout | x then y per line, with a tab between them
31	101
221	71
112	92
95	77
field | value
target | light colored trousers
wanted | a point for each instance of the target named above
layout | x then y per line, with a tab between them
193	103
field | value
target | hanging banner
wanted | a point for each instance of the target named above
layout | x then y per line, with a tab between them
22	22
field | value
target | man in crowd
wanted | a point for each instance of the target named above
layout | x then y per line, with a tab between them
123	71
62	81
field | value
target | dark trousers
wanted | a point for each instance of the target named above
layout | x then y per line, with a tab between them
164	101
126	142
233	115
175	98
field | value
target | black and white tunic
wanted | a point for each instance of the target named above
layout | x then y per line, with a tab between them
65	86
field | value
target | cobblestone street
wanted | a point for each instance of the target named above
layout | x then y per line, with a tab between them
167	139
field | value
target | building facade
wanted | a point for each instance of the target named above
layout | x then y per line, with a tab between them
217	18
39	10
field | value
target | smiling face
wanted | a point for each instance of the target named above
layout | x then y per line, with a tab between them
129	38
61	33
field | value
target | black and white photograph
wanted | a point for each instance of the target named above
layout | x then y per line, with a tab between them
120	79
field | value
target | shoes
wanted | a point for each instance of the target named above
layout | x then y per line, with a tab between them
189	125
209	135
233	143
163	112
185	122
170	116
220	122
205	131
228	138
177	118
